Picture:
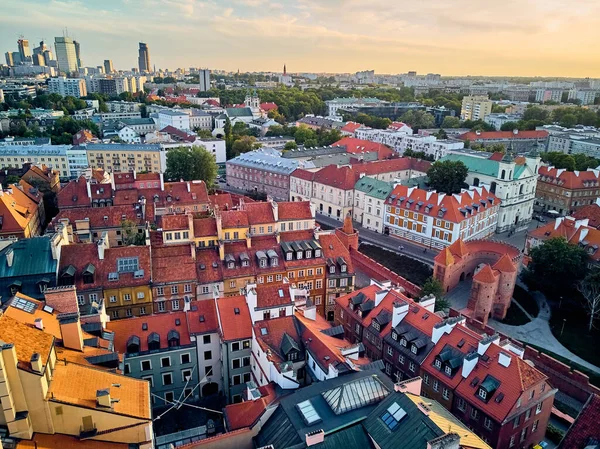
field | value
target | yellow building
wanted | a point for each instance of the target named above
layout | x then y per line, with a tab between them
116	157
44	395
475	107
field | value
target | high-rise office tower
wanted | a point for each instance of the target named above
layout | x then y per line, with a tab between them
48	57
144	58
108	67
65	54
16	56
78	53
204	81
38	54
9	59
24	50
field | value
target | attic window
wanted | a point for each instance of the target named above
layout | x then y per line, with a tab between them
438	363
461	343
394	336
236	311
177	322
448	370
202	318
144	326
482	393
263	331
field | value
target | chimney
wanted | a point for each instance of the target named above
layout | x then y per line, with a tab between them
485	343
36	362
162	182
112	179
275	207
315	437
143	208
469	363
10	255
188	186
70	330
38	323
412	386
445	327
89	189
428	302
379	296
504	359
310	313
193	250
399	311
103	398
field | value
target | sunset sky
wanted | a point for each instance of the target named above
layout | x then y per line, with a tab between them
459	37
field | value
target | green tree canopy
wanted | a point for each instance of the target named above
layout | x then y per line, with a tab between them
417	119
434	287
560	160
451	122
290	146
130	234
556	266
509	126
243	145
191	164
447	176
304	133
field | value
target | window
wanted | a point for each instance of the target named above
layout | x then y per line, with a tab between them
127	297
207	355
438	363
538	409
206	339
446	393
516	422
161	306
112	298
331	283
165	362
185	358
235	346
475	414
512	441
236	380
186	375
536	423
167	379
150	379
142	310
482	393
523	434
127	264
448	371
208	370
436	385
160	291
187	288
128	312
246	361
236	363
412	367
390	351
319	271
461	404
246	344
140	295
528	414
487	422
175	304
343	282
174	289
80	300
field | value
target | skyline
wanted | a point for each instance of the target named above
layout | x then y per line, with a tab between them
338	37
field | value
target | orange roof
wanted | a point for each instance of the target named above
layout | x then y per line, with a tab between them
269	106
357	146
133	394
245	414
294	210
80	255
490	135
236	323
504	264
486	275
202	317
59	441
223	200
458	247
300	173
75	194
49	320
99	217
174	222
270	333
205	227
143	326
27	341
259	213
163	268
334	248
234	219
444	257
209	267
350	127
591	212
569	179
277	295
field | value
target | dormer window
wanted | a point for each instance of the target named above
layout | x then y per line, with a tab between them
394	336
274	261
448	370
403	342
317	253
245	263
263	263
343	268
376	326
482	393
332	269
413	349
230	265
438	364
308	254
298	255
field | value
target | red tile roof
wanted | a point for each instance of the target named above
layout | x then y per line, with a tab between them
210	273
491	135
459	250
234	219
160	324
202	317
174	222
245	414
574	231
99	217
300	173
236	323
350	127
569	179
179	134
357	146
294	210
591	212
259	213
486	275
274	330
268	106
173	263
223	200
205	227
177	192
271	296
74	194
80	255
333	248
109	264
452	203
398	125
505	264
585	426
294	236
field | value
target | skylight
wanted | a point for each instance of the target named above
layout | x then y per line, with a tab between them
308	412
393	416
23	304
354	395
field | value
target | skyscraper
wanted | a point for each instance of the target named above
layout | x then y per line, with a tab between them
204	75
65	54
144	58
9	59
108	66
38	54
78	53
24	50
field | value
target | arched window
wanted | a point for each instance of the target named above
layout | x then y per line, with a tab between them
521	189
503	174
476	182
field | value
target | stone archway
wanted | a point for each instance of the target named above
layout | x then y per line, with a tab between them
209	389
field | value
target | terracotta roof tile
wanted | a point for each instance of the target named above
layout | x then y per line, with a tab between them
99	217
109	265
259	213
444	257
27	341
269	296
504	264
202	317
487	135
223	200
245	414
205	227
357	146
569	179
174	222
133	394
209	267
585	426
486	275
173	263
300	173
79	256
334	248
235	318
591	212
74	194
160	324
294	210
270	333
234	219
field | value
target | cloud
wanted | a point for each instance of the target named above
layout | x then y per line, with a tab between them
228	12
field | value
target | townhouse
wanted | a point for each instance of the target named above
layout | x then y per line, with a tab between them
566	191
515	141
340	274
437	220
21	211
369	202
117	157
158	349
174	279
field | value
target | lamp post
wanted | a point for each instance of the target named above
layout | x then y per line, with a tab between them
563	326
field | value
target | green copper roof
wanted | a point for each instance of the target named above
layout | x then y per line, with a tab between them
239	112
30	257
374	187
475	164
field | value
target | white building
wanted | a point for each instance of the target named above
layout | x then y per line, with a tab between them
389	137
214	146
514	184
430	145
174	118
497	120
369	202
77	160
127	134
342	103
74	87
585	96
200	120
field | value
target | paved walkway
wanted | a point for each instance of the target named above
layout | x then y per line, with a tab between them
537	332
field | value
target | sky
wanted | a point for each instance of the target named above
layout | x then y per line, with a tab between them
458	37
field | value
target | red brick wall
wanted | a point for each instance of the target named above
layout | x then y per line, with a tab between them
381	273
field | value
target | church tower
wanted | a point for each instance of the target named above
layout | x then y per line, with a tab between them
284	70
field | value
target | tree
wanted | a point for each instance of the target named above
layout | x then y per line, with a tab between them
441	134
243	145
130	234
556	266
590	290
496	148
418	119
304	133
535	113
451	122
509	126
290	146
561	160
434	287
191	164
203	133
447	176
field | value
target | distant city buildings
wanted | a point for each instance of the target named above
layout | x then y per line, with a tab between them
204	80
74	87
475	107
66	55
144	58
108	66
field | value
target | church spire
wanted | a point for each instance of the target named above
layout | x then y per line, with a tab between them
284	70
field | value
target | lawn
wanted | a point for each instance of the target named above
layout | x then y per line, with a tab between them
410	269
526	300
515	316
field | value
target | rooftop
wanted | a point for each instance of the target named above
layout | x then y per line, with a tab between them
235	318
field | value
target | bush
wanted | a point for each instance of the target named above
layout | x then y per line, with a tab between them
554	434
